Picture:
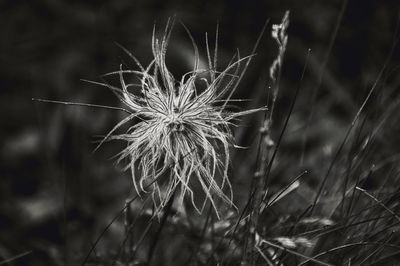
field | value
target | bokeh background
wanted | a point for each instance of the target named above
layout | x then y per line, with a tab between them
56	195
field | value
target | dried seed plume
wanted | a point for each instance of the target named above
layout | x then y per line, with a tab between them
182	134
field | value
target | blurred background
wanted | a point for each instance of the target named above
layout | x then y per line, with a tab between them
56	195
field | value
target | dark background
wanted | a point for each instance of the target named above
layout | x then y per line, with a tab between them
56	195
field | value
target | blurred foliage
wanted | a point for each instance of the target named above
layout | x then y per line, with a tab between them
56	196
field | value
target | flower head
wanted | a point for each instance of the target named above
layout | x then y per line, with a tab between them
183	134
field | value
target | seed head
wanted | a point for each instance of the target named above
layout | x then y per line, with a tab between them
182	135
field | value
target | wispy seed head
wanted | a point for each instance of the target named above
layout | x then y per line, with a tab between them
183	135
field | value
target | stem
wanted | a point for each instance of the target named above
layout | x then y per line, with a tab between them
128	233
162	223
84	105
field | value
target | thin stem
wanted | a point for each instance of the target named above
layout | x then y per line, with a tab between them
9	260
162	224
247	62
379	202
84	104
295	253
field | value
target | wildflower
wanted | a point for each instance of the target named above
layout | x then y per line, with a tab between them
183	132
